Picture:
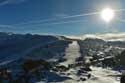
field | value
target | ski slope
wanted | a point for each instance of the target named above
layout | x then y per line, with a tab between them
98	74
71	53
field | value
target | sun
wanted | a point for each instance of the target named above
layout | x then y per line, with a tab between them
107	14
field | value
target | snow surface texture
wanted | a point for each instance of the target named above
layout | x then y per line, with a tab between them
99	75
71	53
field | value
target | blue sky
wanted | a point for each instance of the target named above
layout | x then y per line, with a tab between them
65	17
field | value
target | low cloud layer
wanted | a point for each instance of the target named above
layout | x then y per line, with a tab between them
107	36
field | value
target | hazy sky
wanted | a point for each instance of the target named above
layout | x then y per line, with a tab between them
66	17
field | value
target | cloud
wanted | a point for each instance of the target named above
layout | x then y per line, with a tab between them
107	36
6	2
60	15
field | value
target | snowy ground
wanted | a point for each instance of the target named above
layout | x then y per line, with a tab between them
71	53
99	75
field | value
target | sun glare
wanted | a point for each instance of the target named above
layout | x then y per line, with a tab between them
107	14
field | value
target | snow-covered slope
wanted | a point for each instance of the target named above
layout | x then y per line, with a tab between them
100	75
63	52
14	46
72	52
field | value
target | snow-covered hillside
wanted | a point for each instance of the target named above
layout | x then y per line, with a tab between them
14	46
67	60
99	75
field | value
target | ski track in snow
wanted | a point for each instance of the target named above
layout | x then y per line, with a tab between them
71	53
